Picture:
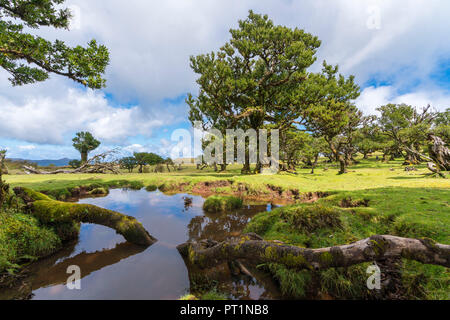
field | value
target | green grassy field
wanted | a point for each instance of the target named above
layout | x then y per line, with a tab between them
368	174
373	198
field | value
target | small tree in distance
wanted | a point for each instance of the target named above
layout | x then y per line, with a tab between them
75	164
128	163
146	158
85	142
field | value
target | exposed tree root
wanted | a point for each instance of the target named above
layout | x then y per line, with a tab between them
209	253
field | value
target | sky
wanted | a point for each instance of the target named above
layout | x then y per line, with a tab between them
398	51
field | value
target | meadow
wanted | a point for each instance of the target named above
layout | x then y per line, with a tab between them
372	198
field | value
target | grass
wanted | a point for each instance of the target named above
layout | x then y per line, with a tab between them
22	238
216	204
373	198
368	174
405	212
211	295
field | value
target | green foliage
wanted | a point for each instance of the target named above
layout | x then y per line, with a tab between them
21	236
128	163
293	284
188	297
214	295
151	188
442	125
4	188
145	158
394	211
262	223
222	204
368	138
55	213
312	218
84	65
345	283
406	126
333	115
251	81
75	164
85	142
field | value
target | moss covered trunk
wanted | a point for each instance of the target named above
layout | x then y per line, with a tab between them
209	253
55	213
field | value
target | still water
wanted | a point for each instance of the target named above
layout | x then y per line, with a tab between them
114	269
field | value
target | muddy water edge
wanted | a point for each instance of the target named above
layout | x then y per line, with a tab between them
114	269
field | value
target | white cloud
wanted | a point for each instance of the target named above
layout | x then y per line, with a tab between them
27	148
151	41
372	98
46	119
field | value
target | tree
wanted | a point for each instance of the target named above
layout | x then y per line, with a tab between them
368	137
29	58
407	126
85	142
292	141
311	151
145	158
248	82
75	164
4	188
334	116
169	162
442	125
128	163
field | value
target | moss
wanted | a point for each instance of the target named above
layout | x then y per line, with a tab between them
222	204
151	188
214	295
57	213
188	297
312	218
67	231
23	237
36	195
99	191
378	245
326	258
261	223
293	283
271	253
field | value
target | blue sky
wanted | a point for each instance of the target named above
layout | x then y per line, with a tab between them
398	51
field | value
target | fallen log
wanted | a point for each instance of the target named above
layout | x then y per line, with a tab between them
93	165
51	212
207	254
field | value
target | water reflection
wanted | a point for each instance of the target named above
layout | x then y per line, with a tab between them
113	269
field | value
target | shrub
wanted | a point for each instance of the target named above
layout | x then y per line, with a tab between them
262	222
222	204
151	188
22	237
312	218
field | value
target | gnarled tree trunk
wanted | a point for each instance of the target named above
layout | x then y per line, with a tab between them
209	253
92	165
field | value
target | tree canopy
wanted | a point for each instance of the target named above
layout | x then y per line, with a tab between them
85	142
407	126
147	158
30	58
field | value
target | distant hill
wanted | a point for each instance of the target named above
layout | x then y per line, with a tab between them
45	163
